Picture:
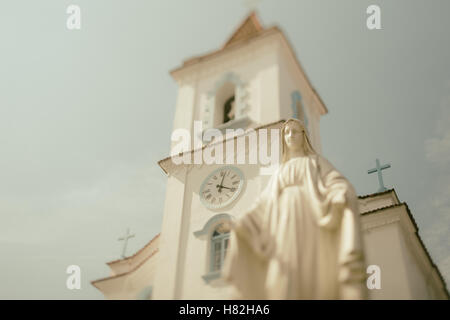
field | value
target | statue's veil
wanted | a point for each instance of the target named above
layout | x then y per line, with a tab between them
309	150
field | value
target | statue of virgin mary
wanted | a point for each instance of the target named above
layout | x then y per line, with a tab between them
302	238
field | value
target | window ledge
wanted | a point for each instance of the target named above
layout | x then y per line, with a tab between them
211	276
240	123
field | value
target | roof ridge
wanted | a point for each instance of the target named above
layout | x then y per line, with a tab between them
136	253
238	35
126	272
376	193
384	208
224	139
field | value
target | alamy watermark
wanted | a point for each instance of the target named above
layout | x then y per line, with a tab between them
74	279
73	21
373	21
236	146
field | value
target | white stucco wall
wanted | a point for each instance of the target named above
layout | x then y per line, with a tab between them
164	284
383	249
392	243
195	262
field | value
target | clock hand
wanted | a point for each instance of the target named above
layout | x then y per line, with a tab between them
221	185
232	189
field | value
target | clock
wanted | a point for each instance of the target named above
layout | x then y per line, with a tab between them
222	187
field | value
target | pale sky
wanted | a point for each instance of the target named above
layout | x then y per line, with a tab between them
86	114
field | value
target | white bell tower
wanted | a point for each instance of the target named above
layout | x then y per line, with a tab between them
254	79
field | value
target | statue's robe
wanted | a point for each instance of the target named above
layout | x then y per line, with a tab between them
301	239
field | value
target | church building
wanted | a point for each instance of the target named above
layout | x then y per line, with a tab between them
253	82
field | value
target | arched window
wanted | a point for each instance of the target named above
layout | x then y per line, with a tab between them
298	109
225	107
300	114
226	104
229	110
219	246
216	232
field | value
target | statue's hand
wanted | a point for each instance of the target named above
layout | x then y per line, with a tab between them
339	200
264	247
250	228
332	217
337	207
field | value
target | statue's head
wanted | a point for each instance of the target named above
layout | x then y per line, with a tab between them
294	138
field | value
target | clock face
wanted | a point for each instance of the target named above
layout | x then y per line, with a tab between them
221	187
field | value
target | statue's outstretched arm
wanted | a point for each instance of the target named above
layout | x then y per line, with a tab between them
252	226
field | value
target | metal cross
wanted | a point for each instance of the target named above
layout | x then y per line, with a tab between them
378	169
125	241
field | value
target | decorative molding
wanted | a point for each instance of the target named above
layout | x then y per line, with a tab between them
213	221
242	122
228	77
381	220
